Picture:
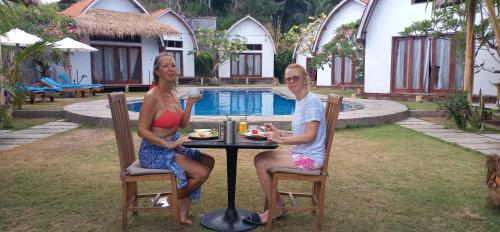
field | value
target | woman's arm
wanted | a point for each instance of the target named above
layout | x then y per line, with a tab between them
287	138
146	117
186	115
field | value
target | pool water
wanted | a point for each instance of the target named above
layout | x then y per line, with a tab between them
217	102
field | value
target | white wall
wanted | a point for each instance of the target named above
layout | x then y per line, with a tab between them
484	80
349	12
388	19
254	35
117	5
187	42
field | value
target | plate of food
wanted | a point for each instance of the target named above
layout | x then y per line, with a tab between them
204	134
256	135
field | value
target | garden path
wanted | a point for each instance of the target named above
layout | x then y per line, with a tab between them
484	143
10	139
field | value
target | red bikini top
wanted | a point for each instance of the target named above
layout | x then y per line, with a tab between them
168	119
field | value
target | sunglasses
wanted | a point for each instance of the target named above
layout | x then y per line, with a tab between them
292	78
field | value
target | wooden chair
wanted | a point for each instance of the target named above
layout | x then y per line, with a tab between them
130	169
318	177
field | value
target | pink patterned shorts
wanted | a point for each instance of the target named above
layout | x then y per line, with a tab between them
305	163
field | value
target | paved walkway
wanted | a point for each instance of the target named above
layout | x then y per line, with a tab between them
10	139
484	143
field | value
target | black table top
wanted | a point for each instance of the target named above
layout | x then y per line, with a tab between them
241	142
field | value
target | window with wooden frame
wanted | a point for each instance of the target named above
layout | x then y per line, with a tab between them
246	64
343	71
423	64
116	64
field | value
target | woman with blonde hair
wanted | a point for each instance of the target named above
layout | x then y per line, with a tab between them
307	138
161	148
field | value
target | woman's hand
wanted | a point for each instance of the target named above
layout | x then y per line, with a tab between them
274	136
269	127
192	99
177	143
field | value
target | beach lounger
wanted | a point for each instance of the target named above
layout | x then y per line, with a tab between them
78	90
66	80
43	92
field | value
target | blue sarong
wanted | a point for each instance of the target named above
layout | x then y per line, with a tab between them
156	157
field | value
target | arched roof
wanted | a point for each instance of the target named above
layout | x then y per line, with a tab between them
367	14
157	14
82	7
258	23
329	18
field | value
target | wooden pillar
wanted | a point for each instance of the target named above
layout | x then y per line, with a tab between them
469	49
493	22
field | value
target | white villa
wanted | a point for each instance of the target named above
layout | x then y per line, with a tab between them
126	37
341	71
181	46
415	64
255	65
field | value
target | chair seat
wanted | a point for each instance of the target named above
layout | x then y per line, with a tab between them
135	169
294	171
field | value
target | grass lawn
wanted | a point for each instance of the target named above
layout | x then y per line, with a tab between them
412	105
60	102
23	123
384	178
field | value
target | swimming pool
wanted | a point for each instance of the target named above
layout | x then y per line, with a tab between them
256	102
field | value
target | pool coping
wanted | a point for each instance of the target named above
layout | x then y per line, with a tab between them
374	112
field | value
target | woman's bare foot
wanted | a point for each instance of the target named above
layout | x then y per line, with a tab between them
265	215
183	210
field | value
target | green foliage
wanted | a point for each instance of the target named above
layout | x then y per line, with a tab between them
218	46
284	51
203	64
457	107
343	44
477	114
452	21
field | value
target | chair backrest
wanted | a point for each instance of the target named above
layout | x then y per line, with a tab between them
52	82
332	110
65	79
123	133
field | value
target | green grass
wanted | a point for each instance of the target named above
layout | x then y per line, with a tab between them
23	123
326	91
384	178
60	102
420	105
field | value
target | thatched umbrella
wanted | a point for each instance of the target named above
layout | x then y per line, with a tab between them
120	24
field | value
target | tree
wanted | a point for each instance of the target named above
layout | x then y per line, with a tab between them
42	20
219	47
343	44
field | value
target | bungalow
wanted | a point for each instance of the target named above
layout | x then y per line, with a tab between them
424	65
126	37
342	71
181	45
255	65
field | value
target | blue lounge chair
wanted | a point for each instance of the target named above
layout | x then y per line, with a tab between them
65	79
76	89
42	91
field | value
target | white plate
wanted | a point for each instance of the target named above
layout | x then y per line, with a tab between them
202	130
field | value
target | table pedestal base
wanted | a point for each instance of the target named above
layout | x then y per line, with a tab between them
219	221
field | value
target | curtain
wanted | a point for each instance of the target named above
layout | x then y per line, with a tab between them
338	71
241	65
400	59
347	70
234	65
258	64
109	64
427	64
250	65
442	63
134	64
417	51
459	70
97	71
122	57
